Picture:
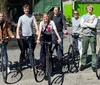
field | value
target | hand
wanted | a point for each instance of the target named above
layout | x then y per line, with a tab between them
12	36
59	40
38	41
65	32
17	37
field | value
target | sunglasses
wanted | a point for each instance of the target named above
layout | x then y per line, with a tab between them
75	13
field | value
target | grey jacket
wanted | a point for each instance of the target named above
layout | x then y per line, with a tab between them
88	24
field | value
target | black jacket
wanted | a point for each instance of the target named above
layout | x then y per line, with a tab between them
59	21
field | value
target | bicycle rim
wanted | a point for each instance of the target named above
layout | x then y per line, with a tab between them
4	65
98	65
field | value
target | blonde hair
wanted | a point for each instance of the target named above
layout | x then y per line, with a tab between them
89	6
48	17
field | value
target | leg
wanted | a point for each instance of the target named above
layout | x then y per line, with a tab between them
85	44
93	48
80	48
21	44
61	44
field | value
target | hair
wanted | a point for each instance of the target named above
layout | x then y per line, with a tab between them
25	6
76	11
48	17
90	6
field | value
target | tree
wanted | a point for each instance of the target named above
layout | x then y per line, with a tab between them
3	6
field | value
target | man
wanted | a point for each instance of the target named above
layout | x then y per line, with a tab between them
88	24
26	23
58	18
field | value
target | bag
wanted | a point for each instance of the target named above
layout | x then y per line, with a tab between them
47	34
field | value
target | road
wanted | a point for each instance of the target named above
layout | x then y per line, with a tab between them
26	77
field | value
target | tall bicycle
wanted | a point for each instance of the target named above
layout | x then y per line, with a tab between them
30	54
73	53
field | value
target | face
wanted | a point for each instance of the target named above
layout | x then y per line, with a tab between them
26	10
56	10
45	18
76	14
89	9
1	17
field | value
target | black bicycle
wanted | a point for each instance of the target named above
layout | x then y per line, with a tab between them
73	54
98	62
30	55
48	61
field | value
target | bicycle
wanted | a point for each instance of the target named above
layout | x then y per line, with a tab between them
73	54
4	59
30	55
98	62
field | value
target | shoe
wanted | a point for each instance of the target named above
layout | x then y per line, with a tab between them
94	69
82	67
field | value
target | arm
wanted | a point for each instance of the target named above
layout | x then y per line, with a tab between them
82	23
36	26
59	39
10	32
64	24
92	25
18	29
63	21
39	33
55	30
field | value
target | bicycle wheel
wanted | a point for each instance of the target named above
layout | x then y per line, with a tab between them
98	65
4	65
48	67
71	60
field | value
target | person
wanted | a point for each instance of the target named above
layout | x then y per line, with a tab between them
59	21
88	24
26	23
4	32
46	25
76	29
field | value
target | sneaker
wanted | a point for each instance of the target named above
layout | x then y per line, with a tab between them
94	69
8	70
82	67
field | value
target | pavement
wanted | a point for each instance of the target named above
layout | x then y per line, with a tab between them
26	77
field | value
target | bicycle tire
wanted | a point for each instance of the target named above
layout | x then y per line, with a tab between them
31	59
4	65
98	65
71	60
48	67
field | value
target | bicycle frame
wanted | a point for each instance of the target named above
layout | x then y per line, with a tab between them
48	61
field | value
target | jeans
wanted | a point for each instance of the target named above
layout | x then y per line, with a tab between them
5	48
23	45
43	52
54	38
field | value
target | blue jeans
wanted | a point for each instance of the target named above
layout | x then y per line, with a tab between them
5	48
54	38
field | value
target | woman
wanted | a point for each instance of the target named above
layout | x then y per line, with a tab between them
76	28
48	26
